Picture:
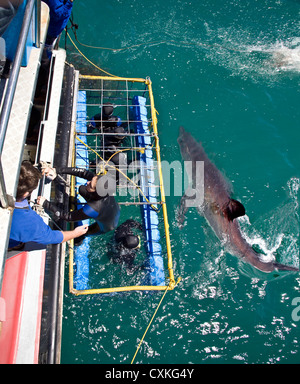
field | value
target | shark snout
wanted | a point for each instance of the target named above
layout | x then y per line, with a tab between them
181	139
181	130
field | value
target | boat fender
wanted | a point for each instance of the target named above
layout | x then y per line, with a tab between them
2	309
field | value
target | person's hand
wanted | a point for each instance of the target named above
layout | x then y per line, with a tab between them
81	230
49	172
40	200
78	231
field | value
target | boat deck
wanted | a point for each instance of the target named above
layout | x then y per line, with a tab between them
21	331
12	152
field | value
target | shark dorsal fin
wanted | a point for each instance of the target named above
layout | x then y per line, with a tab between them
234	209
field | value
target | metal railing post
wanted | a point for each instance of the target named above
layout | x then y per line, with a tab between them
11	88
7	201
38	24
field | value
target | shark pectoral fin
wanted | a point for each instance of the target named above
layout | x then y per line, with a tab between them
182	211
183	208
234	209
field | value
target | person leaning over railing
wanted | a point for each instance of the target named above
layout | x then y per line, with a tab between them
60	12
101	205
27	225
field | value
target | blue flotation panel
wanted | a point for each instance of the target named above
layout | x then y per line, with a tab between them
81	252
147	180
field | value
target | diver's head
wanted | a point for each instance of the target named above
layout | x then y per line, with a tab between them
131	241
107	110
121	132
106	185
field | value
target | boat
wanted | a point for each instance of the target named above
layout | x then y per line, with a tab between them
45	112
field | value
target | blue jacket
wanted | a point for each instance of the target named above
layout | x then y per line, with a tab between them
60	12
27	226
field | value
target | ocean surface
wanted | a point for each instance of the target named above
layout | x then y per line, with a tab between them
229	72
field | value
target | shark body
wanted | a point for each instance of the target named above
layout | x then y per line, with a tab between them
219	209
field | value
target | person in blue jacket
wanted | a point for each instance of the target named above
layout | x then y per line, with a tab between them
27	225
60	12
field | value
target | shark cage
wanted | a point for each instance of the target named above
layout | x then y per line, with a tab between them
115	136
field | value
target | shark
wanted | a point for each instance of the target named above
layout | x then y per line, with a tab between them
217	205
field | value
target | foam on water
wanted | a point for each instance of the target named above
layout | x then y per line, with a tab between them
254	57
277	234
283	55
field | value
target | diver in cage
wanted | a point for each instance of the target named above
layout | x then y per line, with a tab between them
105	119
127	244
114	135
100	202
105	122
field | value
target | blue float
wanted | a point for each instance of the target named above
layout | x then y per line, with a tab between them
81	252
147	179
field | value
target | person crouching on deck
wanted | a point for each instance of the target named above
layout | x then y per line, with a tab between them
101	205
27	226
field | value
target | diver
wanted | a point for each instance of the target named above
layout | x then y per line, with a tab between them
100	204
105	122
105	119
113	136
116	156
127	244
115	161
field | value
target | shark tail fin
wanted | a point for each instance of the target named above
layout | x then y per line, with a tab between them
282	267
234	209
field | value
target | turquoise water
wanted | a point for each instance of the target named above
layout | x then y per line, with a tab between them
229	72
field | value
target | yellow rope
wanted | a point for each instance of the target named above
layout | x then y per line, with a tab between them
122	173
161	300
100	69
142	339
158	42
153	42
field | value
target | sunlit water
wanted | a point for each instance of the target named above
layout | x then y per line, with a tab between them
229	73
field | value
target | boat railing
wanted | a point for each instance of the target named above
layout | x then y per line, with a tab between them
7	200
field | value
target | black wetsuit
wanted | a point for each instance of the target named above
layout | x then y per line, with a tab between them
104	210
122	254
102	121
108	124
125	229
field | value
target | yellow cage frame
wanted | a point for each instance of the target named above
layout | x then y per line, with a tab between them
172	283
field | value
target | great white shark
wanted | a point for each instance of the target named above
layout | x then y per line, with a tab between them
217	206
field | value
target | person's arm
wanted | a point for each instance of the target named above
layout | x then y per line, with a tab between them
79	172
78	231
76	215
29	226
51	173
